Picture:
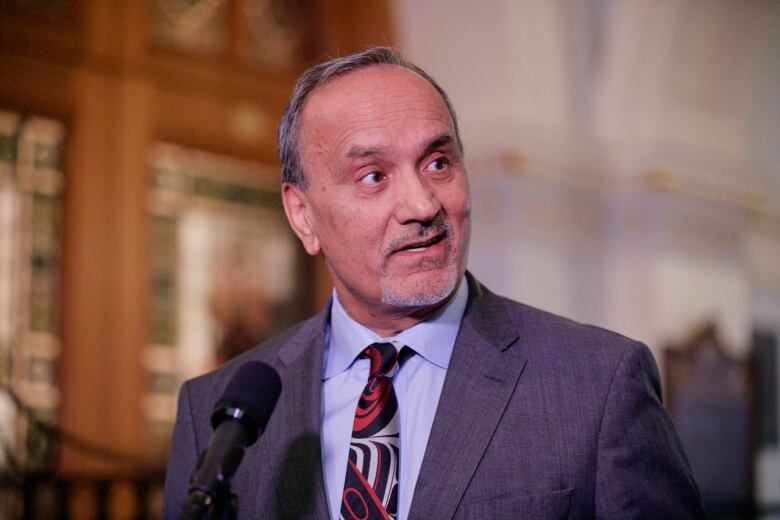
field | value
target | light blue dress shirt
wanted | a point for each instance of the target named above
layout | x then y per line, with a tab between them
417	387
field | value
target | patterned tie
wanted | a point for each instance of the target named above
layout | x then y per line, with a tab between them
371	485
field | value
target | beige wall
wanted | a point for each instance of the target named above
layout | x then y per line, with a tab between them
623	158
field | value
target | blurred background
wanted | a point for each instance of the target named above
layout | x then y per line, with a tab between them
624	158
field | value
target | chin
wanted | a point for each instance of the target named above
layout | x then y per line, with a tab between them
421	289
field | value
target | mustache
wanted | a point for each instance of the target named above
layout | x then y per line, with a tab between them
426	230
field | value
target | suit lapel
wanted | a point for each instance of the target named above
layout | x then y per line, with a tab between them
477	388
295	436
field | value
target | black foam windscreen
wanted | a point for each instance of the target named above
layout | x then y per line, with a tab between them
249	398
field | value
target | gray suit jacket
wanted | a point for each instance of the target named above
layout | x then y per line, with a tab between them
539	418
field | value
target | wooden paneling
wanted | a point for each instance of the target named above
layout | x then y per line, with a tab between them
209	123
94	67
351	25
31	86
105	265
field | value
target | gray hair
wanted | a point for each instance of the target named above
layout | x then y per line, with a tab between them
319	75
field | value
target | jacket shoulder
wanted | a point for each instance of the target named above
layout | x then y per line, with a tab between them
560	341
270	352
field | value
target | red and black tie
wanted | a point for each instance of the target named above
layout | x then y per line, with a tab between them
371	485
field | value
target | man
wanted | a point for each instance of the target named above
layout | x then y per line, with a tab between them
416	392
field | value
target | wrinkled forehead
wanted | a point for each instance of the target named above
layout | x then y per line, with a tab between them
375	82
367	101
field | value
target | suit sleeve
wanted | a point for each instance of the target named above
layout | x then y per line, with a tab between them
183	458
642	471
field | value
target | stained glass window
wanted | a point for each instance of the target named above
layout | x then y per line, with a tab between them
31	186
226	270
277	30
274	34
197	25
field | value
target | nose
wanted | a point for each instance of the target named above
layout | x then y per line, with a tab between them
417	201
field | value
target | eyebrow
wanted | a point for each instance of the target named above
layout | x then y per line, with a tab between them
437	142
359	152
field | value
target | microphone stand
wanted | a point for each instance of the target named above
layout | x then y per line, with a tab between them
201	505
241	414
226	507
209	495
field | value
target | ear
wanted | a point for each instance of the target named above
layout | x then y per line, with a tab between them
298	211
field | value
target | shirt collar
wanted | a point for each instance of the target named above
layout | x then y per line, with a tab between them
432	339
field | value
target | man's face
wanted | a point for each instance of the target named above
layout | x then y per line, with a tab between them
387	201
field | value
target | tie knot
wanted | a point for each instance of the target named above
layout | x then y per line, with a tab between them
383	357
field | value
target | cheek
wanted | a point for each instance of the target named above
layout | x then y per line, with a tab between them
457	202
351	231
458	207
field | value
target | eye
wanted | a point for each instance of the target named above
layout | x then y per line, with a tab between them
372	178
439	164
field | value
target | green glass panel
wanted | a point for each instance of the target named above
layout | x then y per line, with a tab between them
47	156
42	370
8	148
44	263
162	178
234	193
163	383
163	281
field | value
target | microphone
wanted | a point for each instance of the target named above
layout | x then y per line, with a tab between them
241	414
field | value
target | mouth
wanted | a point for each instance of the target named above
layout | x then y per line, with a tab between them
422	245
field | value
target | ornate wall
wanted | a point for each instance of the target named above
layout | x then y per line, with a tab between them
140	90
623	158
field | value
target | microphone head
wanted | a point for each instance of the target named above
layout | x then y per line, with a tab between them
249	399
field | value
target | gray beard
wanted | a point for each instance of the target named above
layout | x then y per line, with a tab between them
430	294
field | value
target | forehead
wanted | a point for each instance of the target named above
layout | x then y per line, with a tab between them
378	103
